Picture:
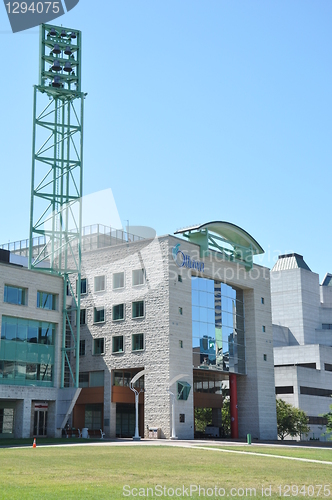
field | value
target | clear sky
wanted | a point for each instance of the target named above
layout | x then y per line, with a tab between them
197	110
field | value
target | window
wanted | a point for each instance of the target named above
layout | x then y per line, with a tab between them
265	357
82	316
96	379
183	390
82	347
315	391
84	286
118	280
180	310
285	389
118	312
182	418
99	283
262	300
217	325
117	345
138	277
180	278
27	352
326	326
15	295
98	346
181	343
93	416
137	342
317	420
138	309
84	379
118	378
6	420
46	301
263	329
98	314
91	379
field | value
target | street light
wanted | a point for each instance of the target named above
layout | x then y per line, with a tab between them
137	393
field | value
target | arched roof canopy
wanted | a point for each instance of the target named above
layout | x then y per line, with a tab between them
213	236
228	231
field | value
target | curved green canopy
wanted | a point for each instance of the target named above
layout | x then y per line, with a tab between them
230	232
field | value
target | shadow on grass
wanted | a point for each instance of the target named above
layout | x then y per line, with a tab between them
13	443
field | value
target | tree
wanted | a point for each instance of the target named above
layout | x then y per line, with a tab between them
328	416
291	421
226	417
203	417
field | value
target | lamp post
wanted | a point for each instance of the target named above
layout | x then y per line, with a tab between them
137	393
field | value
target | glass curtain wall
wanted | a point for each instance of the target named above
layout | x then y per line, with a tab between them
26	352
217	326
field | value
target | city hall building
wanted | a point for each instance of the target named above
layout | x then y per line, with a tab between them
190	311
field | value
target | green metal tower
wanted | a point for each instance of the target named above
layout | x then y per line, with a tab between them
56	183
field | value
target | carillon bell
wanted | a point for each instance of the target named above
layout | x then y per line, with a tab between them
56	49
56	82
68	50
56	66
52	32
67	67
63	33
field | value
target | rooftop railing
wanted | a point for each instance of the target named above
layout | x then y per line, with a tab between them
93	237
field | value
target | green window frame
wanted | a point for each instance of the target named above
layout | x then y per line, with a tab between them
117	344
82	316
138	309
183	390
84	286
98	346
137	342
118	312
98	314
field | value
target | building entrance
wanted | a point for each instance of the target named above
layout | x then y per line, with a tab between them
125	420
40	419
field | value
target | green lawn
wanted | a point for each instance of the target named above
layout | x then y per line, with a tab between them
286	451
102	472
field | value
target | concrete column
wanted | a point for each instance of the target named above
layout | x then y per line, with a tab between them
234	415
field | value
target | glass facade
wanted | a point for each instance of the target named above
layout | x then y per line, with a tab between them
217	326
26	352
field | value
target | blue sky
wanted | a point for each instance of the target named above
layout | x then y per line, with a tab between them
196	111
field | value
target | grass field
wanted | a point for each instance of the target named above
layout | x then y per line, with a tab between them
113	472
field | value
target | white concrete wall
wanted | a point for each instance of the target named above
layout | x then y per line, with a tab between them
295	302
152	255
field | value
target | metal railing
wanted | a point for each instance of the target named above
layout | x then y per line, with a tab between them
93	237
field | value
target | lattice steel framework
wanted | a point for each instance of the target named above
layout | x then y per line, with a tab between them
56	184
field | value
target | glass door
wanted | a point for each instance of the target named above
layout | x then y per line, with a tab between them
40	423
